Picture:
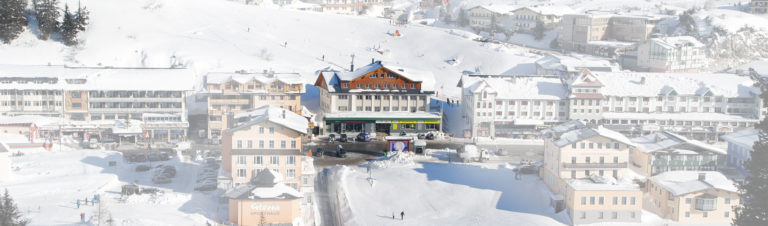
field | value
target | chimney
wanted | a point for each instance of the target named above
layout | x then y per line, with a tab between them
702	176
373	60
227	121
352	67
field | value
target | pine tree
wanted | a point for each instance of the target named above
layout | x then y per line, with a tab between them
538	31
69	28
47	17
463	20
82	17
753	210
9	212
12	19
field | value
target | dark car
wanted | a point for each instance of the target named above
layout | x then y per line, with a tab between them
164	156
402	133
365	137
421	136
142	168
331	137
341	153
140	158
153	157
318	152
430	136
343	138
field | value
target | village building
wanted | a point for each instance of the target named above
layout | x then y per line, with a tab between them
700	197
605	33
377	98
671	54
526	18
265	197
740	147
664	151
700	106
573	64
264	138
353	7
587	169
490	17
514	107
155	97
758	6
241	91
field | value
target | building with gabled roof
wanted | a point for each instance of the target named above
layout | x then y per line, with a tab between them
525	18
264	196
377	98
671	54
697	105
666	151
241	91
267	137
693	196
587	168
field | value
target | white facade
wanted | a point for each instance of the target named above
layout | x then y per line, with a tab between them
512	107
671	54
699	105
758	6
351	6
482	17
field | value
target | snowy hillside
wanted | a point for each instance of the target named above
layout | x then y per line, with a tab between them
220	35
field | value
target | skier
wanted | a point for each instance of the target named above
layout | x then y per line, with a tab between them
86	200
402	214
286	44
393	215
82	217
78	203
323	58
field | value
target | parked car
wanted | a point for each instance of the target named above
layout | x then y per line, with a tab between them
365	137
341	153
343	138
140	158
142	168
170	170
161	179
164	156
318	152
153	157
331	137
421	136
402	133
430	136
206	187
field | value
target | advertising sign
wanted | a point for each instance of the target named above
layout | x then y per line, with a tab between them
399	145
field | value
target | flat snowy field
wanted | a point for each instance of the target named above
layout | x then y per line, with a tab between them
47	185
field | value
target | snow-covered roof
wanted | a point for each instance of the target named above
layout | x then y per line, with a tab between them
745	137
517	87
273	114
266	184
760	66
267	77
563	127
575	62
656	84
577	134
687	116
684	182
605	183
672	42
165	79
666	141
334	77
499	8
28	119
550	9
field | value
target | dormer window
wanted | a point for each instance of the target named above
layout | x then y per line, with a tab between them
346	85
359	86
374	75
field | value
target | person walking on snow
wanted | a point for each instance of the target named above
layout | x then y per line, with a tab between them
402	214
78	203
286	44
82	217
86	200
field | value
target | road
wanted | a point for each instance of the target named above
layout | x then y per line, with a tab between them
322	199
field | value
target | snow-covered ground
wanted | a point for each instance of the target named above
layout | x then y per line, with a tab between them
439	193
47	185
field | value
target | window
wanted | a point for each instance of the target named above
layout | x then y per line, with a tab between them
687	214
706	204
274	160
727	200
257	160
271	144
632	201
271	130
293	144
624	200
368	86
615	200
615	145
239	144
727	214
291	160
592	200
688	201
583	200
600	215
600	200
250	144
614	215
241	160
290	173
241	173
261	144
704	214
282	144
261	130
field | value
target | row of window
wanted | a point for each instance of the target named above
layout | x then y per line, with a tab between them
130	94
385	97
669	109
601	200
130	105
273	160
583	145
486	104
380	109
30	92
381	86
675	123
236	86
249	144
587	173
522	114
601	215
588	159
289	173
31	103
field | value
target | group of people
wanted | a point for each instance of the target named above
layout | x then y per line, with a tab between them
93	201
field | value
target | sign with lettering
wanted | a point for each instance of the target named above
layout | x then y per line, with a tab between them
260	206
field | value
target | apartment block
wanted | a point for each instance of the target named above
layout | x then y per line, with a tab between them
587	169
740	147
264	138
377	98
524	19
239	92
671	54
605	33
155	97
705	197
664	151
487	17
701	106
512	106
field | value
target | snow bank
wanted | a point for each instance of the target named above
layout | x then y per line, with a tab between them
396	159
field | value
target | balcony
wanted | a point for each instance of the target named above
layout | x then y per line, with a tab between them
230	101
134	99
594	165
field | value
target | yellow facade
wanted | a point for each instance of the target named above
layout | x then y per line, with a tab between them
682	208
258	141
249	212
